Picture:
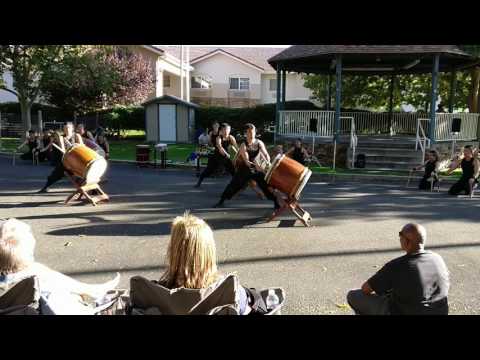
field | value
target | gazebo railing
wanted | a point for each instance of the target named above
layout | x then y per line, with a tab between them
422	140
321	124
307	123
468	130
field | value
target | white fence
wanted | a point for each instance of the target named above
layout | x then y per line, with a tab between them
321	124
468	130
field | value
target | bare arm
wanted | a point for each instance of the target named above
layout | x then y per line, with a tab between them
22	144
476	166
453	166
220	147
234	143
263	150
78	139
244	155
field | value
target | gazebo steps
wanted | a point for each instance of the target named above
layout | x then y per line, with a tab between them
394	153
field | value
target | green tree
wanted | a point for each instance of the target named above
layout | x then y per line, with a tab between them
27	64
99	77
474	89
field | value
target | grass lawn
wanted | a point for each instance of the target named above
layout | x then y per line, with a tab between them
177	153
126	150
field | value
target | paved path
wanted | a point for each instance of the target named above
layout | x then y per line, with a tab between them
355	232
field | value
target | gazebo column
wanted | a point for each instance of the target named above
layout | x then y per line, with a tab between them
434	95
277	107
453	90
328	102
338	96
284	87
390	104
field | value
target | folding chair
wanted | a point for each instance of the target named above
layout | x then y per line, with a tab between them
150	298
20	298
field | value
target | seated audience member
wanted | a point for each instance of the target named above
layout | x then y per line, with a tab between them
103	143
277	150
298	152
46	146
204	139
33	144
431	170
414	284
59	294
470	171
192	260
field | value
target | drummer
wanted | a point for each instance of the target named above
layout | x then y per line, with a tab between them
88	139
65	141
249	169
221	156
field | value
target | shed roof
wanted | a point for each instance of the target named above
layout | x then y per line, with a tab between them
170	99
372	58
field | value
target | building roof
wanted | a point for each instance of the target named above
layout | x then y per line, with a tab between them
255	56
372	58
170	99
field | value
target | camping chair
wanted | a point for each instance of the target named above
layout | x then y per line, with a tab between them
20	298
150	298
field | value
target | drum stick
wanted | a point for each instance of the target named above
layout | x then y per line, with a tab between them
59	148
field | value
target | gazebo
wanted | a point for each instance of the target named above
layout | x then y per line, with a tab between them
388	60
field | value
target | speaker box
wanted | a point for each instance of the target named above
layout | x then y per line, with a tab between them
456	125
361	161
313	125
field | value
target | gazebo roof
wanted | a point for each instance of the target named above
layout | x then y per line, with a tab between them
372	59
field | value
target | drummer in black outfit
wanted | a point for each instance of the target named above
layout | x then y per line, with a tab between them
249	169
66	142
470	168
431	171
220	158
298	152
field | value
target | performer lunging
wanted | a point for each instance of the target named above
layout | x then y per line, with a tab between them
470	169
66	142
249	169
220	157
431	171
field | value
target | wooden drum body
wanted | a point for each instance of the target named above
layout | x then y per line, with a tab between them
288	176
85	163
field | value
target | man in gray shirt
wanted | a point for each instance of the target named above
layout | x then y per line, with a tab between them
414	284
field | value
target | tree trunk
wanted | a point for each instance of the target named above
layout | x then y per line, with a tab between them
26	110
474	98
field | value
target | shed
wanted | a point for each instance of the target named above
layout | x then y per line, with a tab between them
169	119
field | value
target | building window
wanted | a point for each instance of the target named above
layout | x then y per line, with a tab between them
166	81
201	82
273	85
238	83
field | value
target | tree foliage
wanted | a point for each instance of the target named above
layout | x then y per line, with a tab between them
28	64
372	92
99	77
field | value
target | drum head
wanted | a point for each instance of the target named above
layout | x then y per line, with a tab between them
274	165
305	177
96	171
